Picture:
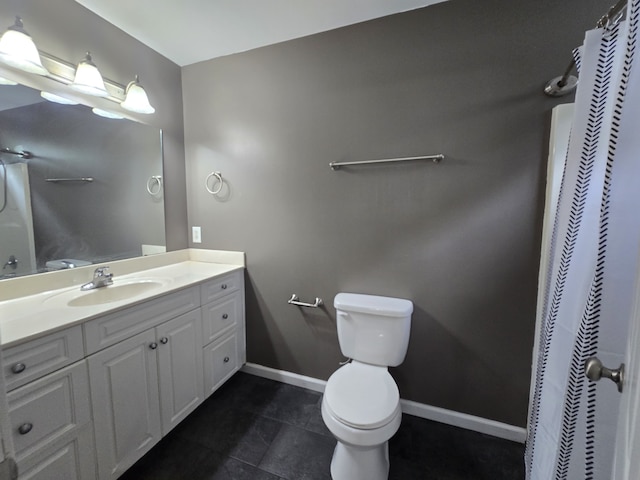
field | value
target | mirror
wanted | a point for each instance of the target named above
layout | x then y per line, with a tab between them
75	188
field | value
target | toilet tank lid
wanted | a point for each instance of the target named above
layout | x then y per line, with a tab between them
387	306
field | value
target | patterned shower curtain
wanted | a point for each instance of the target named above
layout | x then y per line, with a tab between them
592	264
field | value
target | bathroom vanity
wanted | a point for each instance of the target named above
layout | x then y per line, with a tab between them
95	379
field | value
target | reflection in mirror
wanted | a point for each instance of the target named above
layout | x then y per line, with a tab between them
75	188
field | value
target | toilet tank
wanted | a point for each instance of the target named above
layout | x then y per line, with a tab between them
373	329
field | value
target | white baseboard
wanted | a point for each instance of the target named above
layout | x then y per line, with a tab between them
448	417
289	378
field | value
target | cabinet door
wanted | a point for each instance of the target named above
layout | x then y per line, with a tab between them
126	411
180	366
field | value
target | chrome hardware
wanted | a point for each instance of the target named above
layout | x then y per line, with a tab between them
154	181
21	154
153	345
226	359
434	158
64	180
12	262
164	340
223	286
25	428
219	180
294	300
225	316
101	278
567	83
594	370
18	368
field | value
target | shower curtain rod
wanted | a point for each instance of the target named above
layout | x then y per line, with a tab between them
22	154
565	84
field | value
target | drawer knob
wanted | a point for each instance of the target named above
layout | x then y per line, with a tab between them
153	345
226	359
223	286
25	428
164	340
18	368
225	316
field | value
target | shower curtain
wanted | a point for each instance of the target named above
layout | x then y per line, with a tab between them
592	264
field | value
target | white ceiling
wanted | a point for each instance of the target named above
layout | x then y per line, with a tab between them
190	31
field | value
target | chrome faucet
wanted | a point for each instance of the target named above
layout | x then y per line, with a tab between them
12	262
101	278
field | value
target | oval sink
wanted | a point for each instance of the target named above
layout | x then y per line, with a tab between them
112	293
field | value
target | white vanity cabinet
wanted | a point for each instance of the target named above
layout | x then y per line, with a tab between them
86	402
50	413
144	385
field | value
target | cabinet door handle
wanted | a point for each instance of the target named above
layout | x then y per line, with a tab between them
164	340
25	428
18	368
226	360
223	286
225	316
153	345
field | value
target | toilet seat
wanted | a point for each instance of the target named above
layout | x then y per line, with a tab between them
362	396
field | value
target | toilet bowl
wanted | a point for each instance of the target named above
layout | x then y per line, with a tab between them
361	403
361	408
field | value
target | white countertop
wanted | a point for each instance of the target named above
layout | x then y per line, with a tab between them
41	312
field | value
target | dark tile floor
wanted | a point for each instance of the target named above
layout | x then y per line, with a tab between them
257	429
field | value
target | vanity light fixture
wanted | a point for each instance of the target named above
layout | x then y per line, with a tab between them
88	78
136	99
106	114
18	50
52	97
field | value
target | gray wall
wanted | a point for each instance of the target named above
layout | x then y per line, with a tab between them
67	30
461	239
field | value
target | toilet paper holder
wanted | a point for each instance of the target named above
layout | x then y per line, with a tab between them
294	300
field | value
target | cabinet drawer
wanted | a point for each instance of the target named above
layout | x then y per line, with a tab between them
31	360
48	409
72	459
114	327
221	286
221	316
220	362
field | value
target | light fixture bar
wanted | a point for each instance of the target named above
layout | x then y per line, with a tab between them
64	72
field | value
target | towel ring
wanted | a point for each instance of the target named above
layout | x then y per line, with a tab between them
219	180
154	180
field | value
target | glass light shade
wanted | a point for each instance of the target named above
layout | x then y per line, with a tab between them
106	114
52	97
6	81
18	50
88	79
136	99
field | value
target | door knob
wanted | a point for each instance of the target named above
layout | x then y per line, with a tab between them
594	370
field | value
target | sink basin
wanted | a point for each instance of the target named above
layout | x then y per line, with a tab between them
112	293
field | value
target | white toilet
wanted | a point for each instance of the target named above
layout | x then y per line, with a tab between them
361	403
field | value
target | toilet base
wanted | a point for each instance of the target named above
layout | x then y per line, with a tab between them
360	463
